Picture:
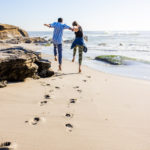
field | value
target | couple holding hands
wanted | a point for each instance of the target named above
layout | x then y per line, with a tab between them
57	40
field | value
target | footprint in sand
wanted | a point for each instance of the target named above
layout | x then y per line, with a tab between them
76	87
57	87
47	96
79	91
73	101
88	76
84	80
69	127
8	146
69	115
43	103
45	84
35	120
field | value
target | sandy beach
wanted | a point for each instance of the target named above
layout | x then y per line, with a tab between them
70	111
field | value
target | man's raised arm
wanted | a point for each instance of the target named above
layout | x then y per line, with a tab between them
47	25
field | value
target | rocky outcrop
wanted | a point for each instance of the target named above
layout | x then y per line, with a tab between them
35	40
3	84
113	59
17	63
38	40
14	35
10	31
43	67
120	60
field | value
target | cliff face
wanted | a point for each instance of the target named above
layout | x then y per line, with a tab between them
10	31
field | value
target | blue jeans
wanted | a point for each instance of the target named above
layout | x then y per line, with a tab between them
59	47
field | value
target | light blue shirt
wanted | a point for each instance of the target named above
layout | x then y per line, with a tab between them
58	31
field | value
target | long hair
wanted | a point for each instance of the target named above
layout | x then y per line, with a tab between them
75	23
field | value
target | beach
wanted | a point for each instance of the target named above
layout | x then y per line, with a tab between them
132	45
75	75
69	111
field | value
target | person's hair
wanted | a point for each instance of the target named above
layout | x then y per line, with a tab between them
60	19
75	23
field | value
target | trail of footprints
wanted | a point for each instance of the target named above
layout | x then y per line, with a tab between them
69	126
36	120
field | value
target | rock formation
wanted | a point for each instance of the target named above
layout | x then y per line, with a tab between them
17	63
35	40
10	31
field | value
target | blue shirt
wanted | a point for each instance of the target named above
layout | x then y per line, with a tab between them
58	31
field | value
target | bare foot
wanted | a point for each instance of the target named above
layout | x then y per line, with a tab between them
73	59
60	67
80	70
55	58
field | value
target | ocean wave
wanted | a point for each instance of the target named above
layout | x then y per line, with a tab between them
123	33
111	34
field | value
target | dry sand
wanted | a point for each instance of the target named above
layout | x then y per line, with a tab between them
71	111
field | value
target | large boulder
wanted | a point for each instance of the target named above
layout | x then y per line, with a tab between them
116	59
43	68
17	63
113	59
36	40
10	31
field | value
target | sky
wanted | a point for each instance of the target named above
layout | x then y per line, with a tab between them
92	15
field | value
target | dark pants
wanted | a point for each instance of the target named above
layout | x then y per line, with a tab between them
59	48
80	53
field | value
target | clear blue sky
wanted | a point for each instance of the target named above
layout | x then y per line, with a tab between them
91	14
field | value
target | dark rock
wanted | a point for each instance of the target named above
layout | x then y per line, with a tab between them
38	40
43	69
17	40
3	84
17	63
111	59
27	40
35	40
13	41
114	59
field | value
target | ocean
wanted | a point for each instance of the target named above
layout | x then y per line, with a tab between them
130	44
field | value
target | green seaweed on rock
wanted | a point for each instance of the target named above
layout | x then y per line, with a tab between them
119	60
113	59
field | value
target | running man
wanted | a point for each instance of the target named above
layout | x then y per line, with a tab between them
57	38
